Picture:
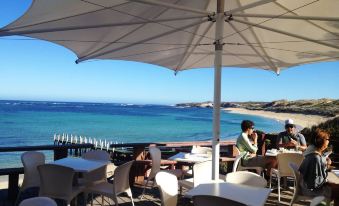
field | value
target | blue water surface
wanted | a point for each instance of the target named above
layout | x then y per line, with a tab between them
35	123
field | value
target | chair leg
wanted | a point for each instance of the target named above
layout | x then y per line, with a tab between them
115	200
271	174
143	190
102	200
91	199
278	177
129	193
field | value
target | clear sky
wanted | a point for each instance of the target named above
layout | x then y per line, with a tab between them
39	70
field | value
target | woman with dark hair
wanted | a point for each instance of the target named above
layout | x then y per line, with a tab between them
247	145
313	169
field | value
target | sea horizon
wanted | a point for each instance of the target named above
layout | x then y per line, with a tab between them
24	123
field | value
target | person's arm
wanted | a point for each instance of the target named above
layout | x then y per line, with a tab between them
313	173
247	144
303	144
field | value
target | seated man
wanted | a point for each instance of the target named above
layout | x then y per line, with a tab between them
291	138
248	150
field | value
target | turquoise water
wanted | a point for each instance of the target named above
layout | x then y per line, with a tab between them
35	123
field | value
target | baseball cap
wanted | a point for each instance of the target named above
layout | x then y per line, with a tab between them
289	122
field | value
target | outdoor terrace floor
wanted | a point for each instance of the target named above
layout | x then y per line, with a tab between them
152	198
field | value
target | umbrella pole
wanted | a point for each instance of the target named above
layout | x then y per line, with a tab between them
217	89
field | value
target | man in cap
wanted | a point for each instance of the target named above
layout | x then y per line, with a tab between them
290	137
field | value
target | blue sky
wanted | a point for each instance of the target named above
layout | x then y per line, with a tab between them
39	70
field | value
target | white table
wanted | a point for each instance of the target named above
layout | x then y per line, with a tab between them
248	195
275	153
79	164
190	157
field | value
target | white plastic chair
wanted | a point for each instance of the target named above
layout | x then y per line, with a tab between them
196	149
31	160
156	162
56	182
38	201
120	184
238	167
317	200
168	184
98	175
246	178
209	200
283	167
297	194
202	173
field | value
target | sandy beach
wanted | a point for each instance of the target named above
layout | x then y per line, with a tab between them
301	120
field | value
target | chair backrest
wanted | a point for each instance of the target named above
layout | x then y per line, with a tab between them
31	160
246	178
296	174
156	161
121	177
101	173
236	163
56	181
204	200
283	163
96	155
202	173
168	184
38	201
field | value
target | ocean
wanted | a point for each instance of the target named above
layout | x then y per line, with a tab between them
35	123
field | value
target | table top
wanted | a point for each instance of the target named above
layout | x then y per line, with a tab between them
274	153
333	177
137	144
80	164
189	157
248	195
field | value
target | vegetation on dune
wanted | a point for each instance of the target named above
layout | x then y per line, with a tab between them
323	107
331	126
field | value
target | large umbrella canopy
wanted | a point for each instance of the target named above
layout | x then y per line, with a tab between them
185	34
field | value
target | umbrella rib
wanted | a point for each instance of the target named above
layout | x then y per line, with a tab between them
288	11
125	13
67	17
286	33
151	52
184	59
268	61
315	18
122	36
312	23
90	41
248	6
288	50
173	6
139	42
186	53
195	46
37	31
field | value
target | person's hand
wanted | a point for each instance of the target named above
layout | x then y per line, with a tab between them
328	161
293	142
252	155
254	136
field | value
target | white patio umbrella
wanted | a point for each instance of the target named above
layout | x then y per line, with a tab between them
185	34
